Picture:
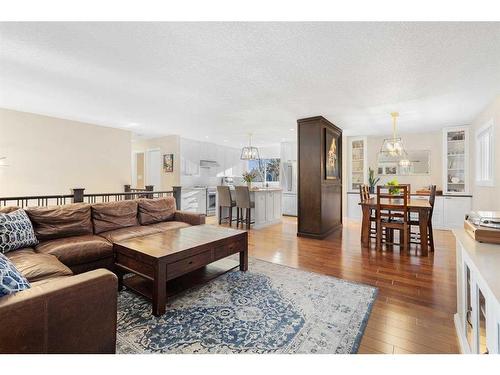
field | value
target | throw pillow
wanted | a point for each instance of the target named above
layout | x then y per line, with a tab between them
11	280
16	231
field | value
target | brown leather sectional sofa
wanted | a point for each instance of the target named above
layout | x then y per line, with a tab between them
71	306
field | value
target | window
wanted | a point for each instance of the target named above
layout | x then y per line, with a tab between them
270	169
485	155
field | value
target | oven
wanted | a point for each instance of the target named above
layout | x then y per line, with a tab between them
211	194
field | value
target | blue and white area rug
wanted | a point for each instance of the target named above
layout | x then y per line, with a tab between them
269	309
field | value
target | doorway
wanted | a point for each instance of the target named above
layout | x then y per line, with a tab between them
138	170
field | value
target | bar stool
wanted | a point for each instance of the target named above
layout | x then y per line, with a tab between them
243	202
225	200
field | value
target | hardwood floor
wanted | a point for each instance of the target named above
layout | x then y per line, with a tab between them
414	309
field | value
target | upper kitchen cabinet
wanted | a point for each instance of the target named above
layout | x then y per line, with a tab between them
455	160
358	162
288	151
190	157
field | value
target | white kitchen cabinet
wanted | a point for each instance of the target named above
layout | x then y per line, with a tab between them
194	200
353	208
456	160
357	162
190	157
454	211
289	204
477	320
288	152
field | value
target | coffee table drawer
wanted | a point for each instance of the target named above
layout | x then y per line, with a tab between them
228	249
188	264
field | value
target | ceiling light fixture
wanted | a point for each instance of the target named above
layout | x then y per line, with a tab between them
249	152
392	149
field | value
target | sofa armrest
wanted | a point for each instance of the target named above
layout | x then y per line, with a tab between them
71	314
189	217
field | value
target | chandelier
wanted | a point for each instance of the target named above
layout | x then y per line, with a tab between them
392	149
249	152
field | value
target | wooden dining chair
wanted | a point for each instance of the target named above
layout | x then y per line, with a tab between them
392	214
225	201
415	236
364	195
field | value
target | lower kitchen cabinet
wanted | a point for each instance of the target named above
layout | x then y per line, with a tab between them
477	320
290	204
194	200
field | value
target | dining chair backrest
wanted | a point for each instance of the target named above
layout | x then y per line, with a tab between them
392	205
364	192
432	197
242	196
408	191
224	194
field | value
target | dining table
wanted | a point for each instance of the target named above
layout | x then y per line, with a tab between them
420	206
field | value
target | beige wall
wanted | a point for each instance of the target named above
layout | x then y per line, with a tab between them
483	197
47	155
167	145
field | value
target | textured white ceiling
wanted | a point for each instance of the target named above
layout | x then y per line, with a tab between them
219	81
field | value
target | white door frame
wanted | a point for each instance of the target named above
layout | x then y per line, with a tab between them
147	166
134	167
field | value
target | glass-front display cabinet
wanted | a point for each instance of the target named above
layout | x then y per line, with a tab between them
358	169
456	160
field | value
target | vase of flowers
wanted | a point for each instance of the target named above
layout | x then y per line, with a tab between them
248	177
372	180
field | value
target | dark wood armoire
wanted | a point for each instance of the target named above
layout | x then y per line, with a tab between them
319	177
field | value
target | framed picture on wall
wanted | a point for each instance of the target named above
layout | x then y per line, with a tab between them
168	163
332	157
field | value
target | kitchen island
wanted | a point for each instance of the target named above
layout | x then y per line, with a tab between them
267	209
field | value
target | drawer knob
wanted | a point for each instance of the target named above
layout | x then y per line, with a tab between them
190	262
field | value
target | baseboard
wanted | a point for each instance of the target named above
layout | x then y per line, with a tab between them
319	236
462	340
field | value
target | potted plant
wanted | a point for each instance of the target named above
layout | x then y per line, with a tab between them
372	180
248	177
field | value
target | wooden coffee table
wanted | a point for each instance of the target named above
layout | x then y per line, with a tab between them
164	256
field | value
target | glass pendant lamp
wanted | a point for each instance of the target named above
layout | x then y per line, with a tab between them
249	152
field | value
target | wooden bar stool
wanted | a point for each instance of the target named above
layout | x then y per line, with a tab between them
225	200
243	202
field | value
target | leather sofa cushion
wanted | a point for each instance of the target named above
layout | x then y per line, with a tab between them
60	221
37	267
122	234
77	250
167	225
156	210
8	209
114	215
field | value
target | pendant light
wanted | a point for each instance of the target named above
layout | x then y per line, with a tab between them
249	152
392	149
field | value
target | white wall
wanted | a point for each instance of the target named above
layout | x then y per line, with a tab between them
486	197
47	155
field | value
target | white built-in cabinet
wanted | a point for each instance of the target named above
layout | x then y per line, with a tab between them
477	320
456	160
358	162
267	207
288	177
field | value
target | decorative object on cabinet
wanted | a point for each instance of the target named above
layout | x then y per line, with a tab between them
372	180
455	160
249	152
248	177
168	163
332	157
392	148
319	198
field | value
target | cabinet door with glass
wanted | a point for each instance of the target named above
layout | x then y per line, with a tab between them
455	160
357	162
